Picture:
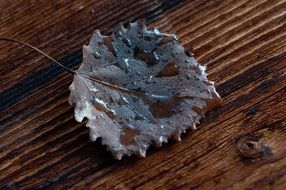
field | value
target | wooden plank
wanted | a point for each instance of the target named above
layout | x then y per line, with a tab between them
243	45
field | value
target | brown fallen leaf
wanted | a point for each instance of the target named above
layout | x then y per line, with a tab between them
139	87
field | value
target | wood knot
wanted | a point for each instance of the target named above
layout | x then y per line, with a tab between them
253	147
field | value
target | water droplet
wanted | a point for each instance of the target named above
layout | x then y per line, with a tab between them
155	30
125	100
140	117
150	58
127	42
150	79
170	122
101	106
93	89
158	97
190	54
96	55
126	61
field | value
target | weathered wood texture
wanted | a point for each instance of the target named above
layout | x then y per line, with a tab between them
240	145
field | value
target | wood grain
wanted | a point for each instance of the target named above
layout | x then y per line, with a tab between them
239	145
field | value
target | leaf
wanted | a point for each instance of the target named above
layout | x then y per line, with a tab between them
139	87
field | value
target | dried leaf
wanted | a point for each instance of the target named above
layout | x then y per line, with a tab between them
139	87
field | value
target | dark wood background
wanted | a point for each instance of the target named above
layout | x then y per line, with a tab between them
240	145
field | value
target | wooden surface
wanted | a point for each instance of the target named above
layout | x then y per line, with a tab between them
240	145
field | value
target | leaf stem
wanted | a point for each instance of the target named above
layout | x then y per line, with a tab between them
39	51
